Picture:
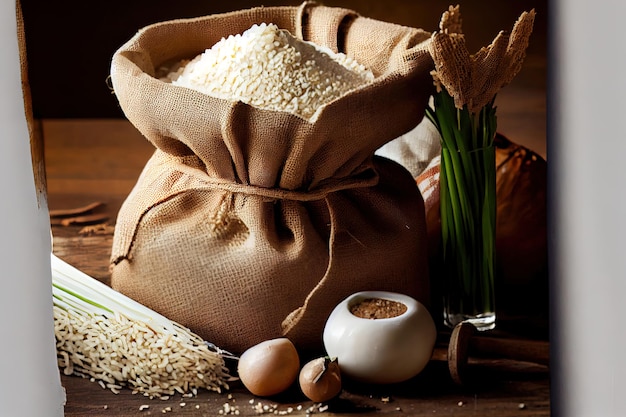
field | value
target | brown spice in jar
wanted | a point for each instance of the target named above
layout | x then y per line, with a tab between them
377	308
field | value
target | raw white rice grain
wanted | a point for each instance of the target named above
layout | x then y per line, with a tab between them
126	353
268	68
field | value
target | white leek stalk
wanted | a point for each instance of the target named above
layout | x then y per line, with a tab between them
73	289
106	336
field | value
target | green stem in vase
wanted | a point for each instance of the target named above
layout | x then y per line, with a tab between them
465	116
467	196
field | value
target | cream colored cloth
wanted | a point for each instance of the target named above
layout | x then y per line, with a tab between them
414	150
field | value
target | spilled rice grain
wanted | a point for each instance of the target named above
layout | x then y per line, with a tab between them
118	352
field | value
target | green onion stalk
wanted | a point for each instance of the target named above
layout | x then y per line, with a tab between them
463	112
468	209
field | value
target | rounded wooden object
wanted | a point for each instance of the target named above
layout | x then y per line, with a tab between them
458	350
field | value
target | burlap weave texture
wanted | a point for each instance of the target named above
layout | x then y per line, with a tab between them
248	224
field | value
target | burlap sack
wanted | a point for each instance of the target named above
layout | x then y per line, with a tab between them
249	224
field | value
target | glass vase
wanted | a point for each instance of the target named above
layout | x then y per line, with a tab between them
468	210
469	242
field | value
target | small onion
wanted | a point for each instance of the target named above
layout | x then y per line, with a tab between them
269	367
320	379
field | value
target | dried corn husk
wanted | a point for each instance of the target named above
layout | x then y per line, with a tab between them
473	80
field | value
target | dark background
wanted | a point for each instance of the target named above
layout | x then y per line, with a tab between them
70	43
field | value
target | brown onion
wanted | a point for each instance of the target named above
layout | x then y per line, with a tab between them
320	379
269	367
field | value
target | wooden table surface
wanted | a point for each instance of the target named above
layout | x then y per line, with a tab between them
99	160
90	160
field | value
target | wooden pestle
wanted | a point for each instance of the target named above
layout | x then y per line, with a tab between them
465	343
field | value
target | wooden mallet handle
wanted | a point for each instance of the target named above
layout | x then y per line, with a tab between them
464	343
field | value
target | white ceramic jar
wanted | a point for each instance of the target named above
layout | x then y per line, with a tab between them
380	350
